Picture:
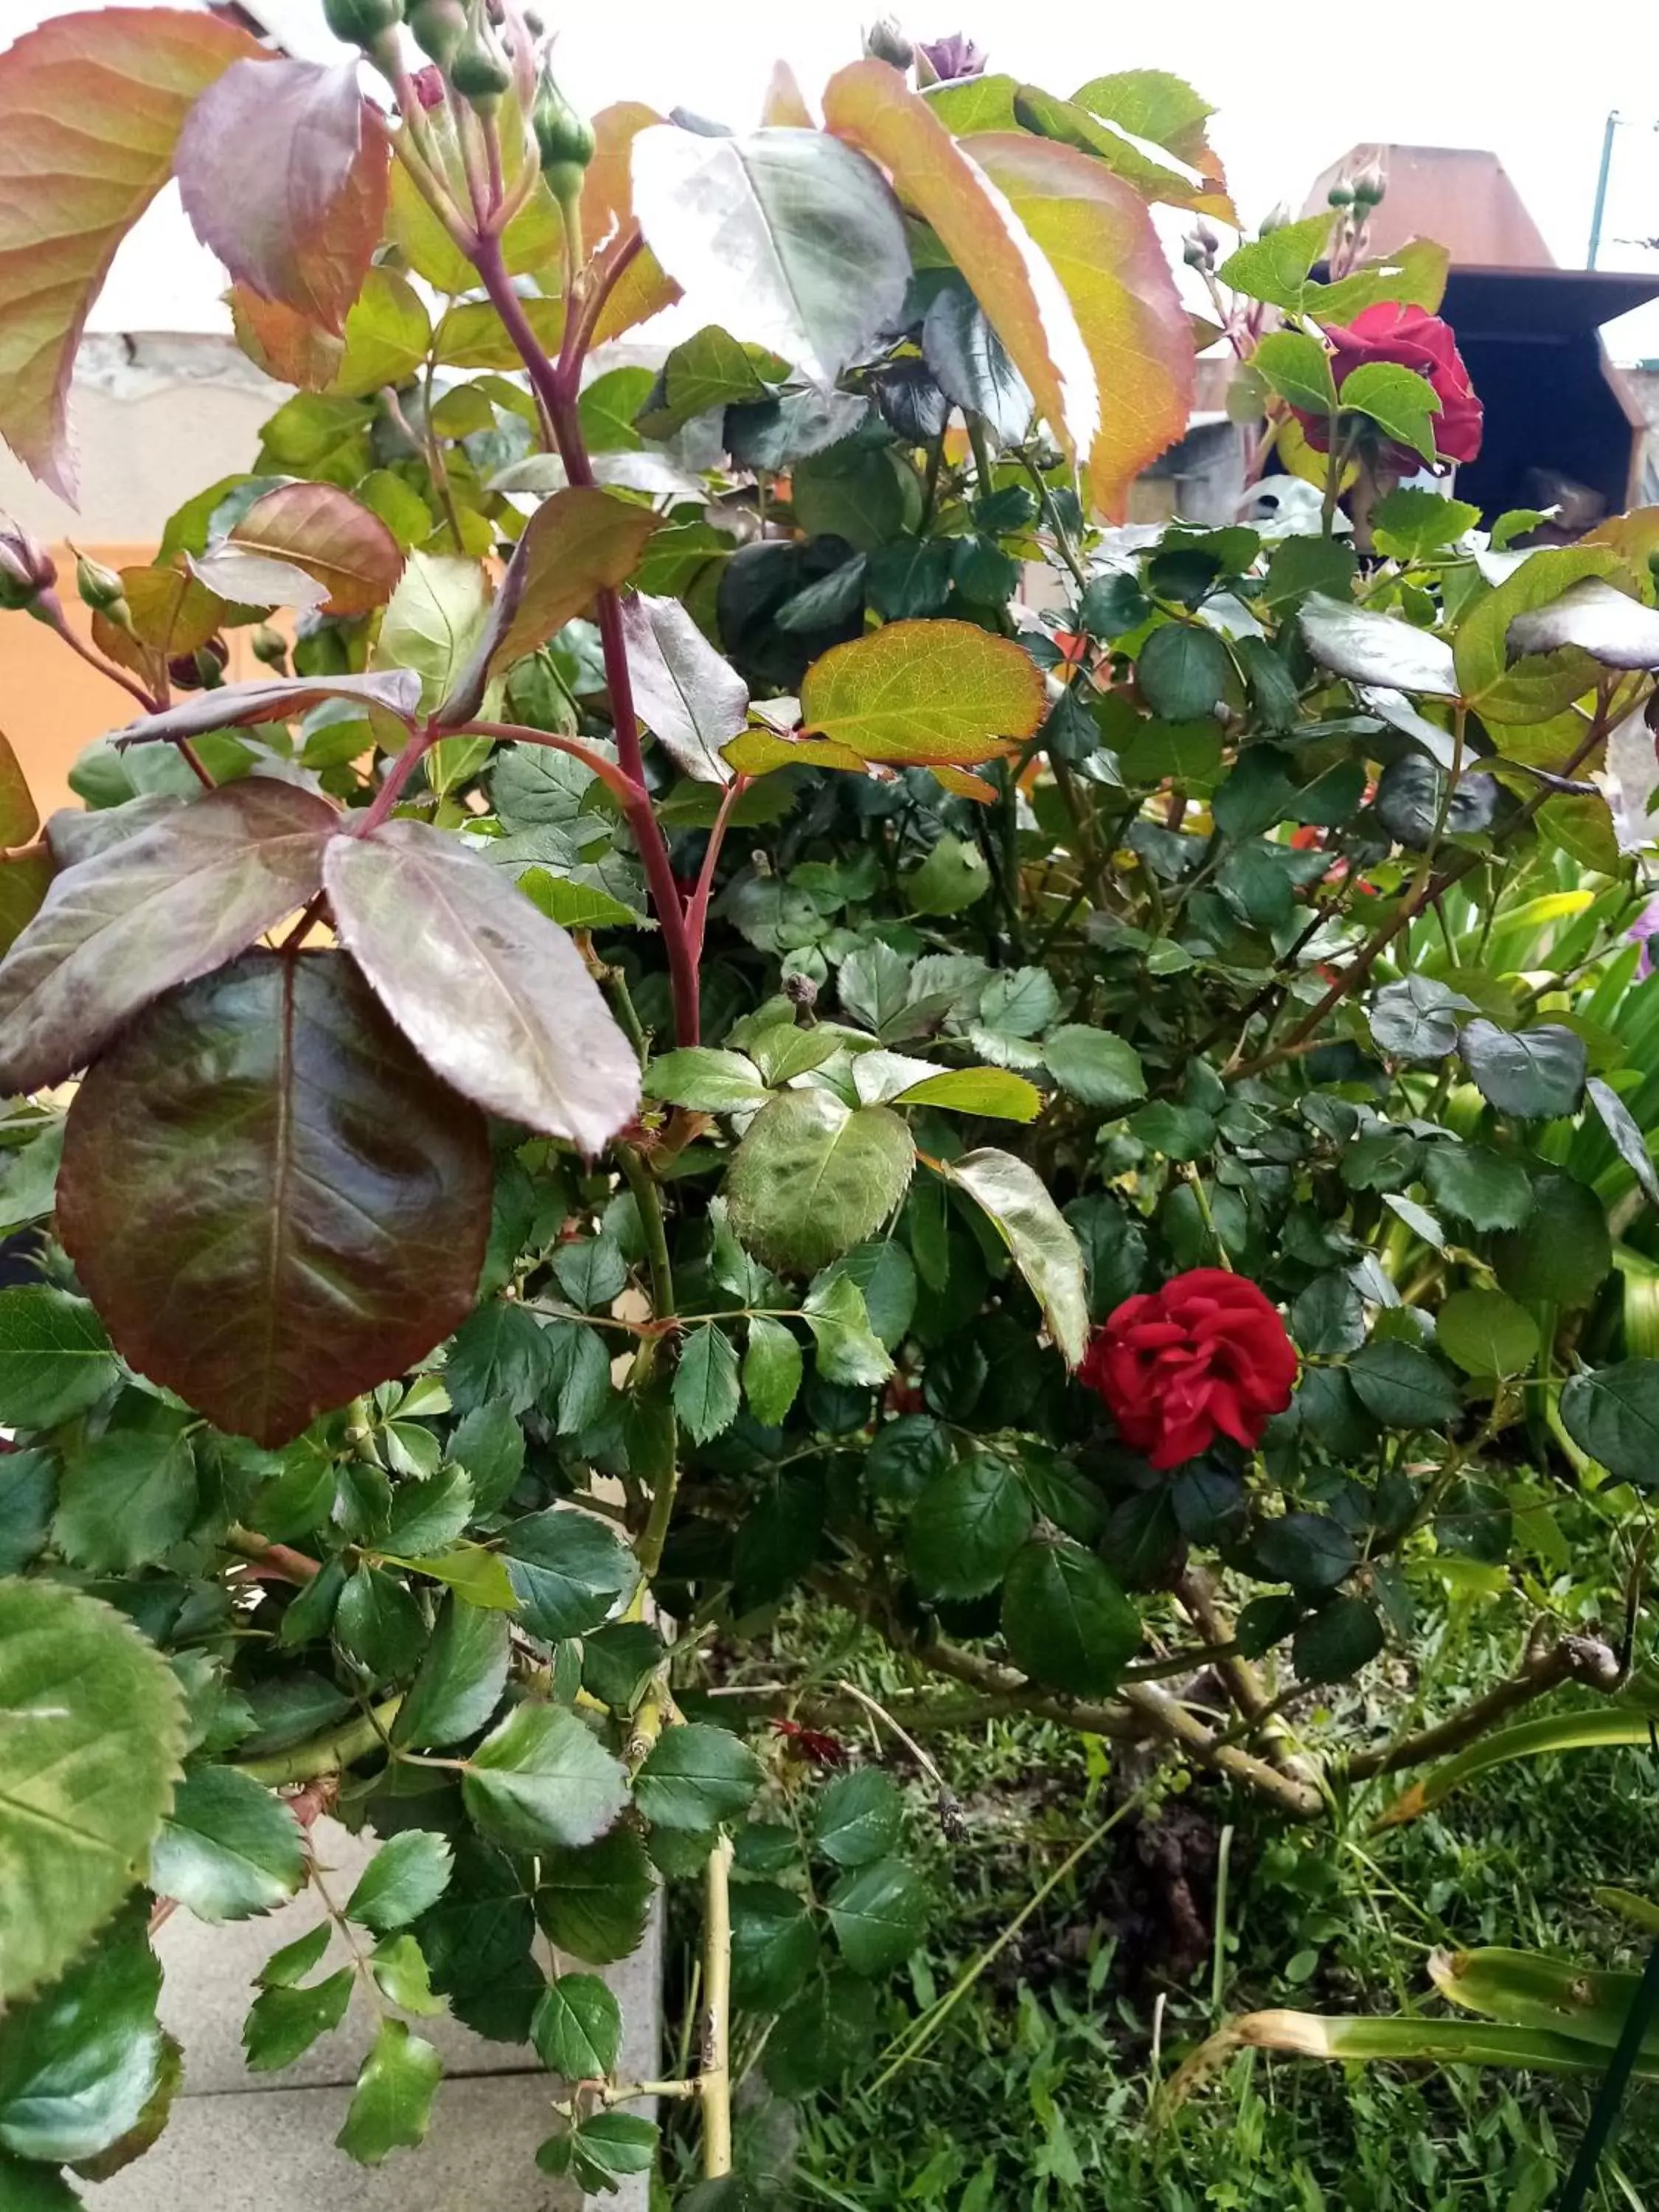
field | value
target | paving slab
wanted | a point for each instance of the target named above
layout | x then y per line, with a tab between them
272	2150
240	2142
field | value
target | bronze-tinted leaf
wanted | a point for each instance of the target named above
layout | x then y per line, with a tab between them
580	542
490	992
285	344
171	902
872	106
235	705
643	289
171	611
272	1202
332	537
90	107
282	169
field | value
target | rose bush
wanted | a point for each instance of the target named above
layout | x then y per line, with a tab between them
601	1097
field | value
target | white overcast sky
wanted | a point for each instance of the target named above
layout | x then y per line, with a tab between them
1533	83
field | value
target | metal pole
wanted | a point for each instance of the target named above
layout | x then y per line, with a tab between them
1613	120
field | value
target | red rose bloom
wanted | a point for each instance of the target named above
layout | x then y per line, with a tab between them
1206	1356
1422	343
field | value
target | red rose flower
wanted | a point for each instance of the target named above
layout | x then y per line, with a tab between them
1422	343
1207	1356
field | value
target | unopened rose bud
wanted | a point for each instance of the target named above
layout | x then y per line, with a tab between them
439	26
1341	194
563	139
362	23
269	646
800	990
201	670
884	42
1369	187
1207	237
1193	253
479	70
27	568
99	587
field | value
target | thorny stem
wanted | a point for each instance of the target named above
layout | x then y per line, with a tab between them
328	1753
557	389
48	608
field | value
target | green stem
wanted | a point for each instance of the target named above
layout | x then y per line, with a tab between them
328	1753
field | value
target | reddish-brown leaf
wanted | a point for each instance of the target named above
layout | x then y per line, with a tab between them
323	530
271	1201
286	345
1098	237
580	542
283	170
91	105
152	910
872	108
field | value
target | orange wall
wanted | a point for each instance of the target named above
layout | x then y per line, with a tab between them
51	703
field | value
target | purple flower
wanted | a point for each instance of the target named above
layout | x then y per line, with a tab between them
1642	932
957	56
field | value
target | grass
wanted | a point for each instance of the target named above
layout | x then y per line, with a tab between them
1033	2091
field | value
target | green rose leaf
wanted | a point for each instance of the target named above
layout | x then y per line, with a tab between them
569	1570
695	1776
543	1779
1486	1333
1404	1388
879	1913
230	1849
391	2108
405	1878
966	1527
460	1678
1613	1414
814	1176
707	1392
577	2029
1100	1069
1044	1247
1535	1074
1066	1618
55	1359
91	1728
858	1817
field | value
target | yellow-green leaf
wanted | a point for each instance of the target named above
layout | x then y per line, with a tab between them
924	691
